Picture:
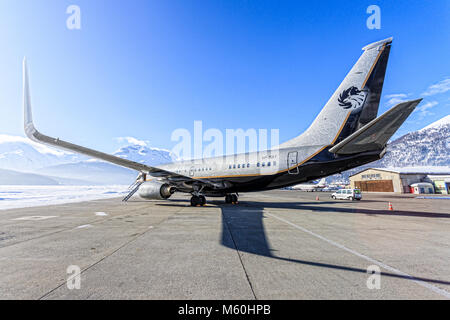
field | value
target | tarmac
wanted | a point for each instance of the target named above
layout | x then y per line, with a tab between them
281	244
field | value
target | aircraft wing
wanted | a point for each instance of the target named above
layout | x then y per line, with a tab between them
35	135
374	135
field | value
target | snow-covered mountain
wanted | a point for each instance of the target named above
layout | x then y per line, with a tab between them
100	172
444	122
427	147
24	156
145	154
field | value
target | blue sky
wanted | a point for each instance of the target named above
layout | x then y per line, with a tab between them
146	68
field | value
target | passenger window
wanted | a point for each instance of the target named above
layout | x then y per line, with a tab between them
263	164
268	164
234	166
274	163
257	164
248	165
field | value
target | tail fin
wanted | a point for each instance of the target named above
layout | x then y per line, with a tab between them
354	103
322	183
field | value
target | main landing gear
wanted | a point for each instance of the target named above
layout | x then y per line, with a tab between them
199	200
231	198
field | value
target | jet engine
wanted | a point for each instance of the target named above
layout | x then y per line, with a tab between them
155	190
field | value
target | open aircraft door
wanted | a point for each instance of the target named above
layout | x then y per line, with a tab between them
292	162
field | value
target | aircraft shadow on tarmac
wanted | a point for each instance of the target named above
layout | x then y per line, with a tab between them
243	230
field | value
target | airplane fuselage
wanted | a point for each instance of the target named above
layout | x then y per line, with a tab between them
272	169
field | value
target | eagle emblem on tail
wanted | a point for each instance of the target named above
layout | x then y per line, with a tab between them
351	98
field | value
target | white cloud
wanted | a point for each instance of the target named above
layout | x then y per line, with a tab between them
133	141
396	95
424	109
396	98
396	101
440	87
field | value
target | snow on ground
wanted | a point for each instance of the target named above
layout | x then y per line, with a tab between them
32	196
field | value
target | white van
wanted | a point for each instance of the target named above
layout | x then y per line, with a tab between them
349	194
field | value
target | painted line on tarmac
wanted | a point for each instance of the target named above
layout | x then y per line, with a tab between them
84	226
424	284
35	218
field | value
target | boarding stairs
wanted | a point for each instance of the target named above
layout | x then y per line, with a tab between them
134	187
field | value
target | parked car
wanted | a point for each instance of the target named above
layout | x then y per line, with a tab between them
348	194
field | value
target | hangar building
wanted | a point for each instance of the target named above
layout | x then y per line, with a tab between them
402	180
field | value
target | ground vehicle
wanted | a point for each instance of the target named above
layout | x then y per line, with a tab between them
349	194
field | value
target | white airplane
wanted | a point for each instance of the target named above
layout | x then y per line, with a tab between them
345	135
310	187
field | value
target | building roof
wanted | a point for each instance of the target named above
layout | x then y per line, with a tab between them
444	170
442	177
422	184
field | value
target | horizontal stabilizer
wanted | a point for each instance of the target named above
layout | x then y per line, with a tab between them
374	135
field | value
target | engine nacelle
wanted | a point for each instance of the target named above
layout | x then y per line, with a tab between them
155	190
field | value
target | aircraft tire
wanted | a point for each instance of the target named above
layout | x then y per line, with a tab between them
195	200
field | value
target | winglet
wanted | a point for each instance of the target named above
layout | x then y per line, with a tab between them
28	118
